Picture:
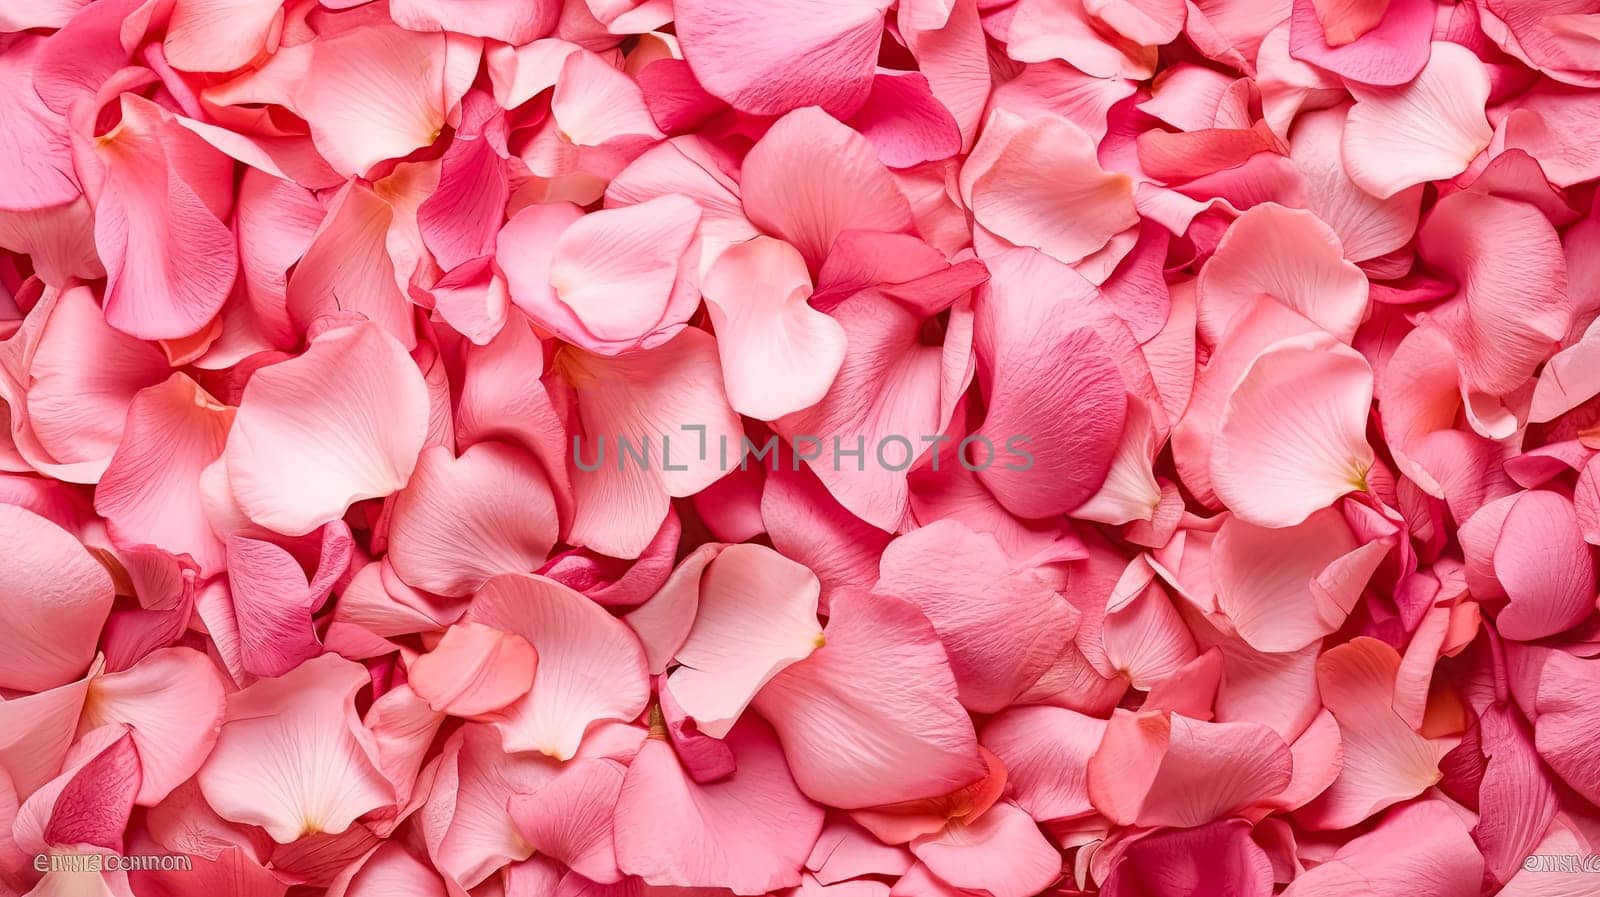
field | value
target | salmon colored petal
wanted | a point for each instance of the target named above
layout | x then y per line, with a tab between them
1429	129
474	670
871	717
1289	255
172	702
783	55
372	94
1041	186
750	833
462	520
150	494
756	616
341	422
1291	437
1000	627
1385	760
56	597
293	758
591	667
779	355
811	178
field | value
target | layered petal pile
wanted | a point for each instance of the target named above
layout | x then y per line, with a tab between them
817	448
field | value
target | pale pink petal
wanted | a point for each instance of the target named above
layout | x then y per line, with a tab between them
663	622
220	35
810	178
273	601
474	670
1545	567
591	667
750	833
1046	753
59	240
292	757
1054	426
37	147
466	823
1000	627
1002	853
1284	605
1064	29
756	616
76	412
1571	378
170	263
388	869
511	21
808	525
1429	129
1040	186
1291	438
56	597
1385	760
347	267
1438	859
462	520
35	732
1512	309
1290	255
150	494
621	278
871	717
1368	227
172	702
779	355
1164	769
1389	51
597	105
342	422
665	404
1564	725
782	55
570	818
372	94
1143	635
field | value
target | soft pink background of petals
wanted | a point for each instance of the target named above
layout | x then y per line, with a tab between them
302	303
